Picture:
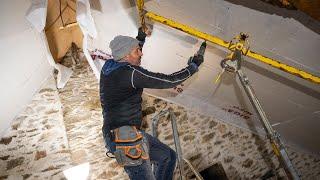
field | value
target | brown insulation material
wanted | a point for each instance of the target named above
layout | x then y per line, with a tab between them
60	40
312	8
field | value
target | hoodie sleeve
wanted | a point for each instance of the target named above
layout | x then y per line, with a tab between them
142	78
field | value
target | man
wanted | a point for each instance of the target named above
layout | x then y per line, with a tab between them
121	85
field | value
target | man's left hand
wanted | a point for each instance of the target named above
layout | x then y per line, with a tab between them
143	33
147	30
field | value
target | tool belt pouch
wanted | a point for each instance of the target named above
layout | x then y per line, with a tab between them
131	147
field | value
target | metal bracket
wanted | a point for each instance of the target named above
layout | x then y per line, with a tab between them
233	64
155	121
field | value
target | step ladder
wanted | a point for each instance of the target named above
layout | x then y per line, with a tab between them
181	160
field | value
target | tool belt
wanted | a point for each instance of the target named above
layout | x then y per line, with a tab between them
131	146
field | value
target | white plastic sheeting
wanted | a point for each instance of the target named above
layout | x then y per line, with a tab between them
23	65
89	31
36	15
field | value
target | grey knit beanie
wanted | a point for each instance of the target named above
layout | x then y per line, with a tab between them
121	46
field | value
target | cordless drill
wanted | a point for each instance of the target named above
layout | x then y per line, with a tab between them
201	51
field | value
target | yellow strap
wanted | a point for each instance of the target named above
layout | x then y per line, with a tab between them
220	42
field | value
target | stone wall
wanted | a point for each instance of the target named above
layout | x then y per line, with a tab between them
206	141
36	145
83	121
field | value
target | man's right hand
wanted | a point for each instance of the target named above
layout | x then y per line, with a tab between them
197	59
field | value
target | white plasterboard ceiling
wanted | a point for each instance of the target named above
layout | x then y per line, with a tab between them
292	104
